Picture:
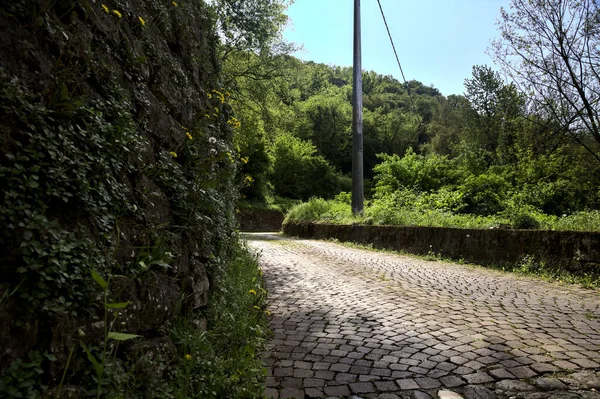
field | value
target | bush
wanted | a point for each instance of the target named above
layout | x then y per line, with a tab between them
299	173
483	194
524	221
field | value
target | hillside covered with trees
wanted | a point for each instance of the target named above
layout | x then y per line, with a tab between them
500	150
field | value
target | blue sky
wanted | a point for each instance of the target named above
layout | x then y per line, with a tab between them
438	41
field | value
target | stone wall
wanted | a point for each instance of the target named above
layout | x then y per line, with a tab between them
260	220
573	250
115	159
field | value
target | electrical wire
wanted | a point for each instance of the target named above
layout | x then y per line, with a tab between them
412	101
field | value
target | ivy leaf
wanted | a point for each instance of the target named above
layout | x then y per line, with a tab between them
121	336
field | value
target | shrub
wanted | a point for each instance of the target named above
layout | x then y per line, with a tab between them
299	173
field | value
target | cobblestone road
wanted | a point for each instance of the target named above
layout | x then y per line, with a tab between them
350	321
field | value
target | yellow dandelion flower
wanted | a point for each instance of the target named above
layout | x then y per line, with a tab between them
117	13
174	4
209	95
244	160
188	356
173	154
189	136
249	179
267	313
106	10
256	307
238	124
252	292
142	21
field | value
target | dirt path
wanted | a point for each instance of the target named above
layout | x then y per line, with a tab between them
350	321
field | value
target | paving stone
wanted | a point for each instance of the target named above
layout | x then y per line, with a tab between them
522	372
362	387
549	384
501	374
427	382
478	378
291	393
340	390
513	386
544	368
407	383
385	386
345	377
419	395
477	392
336	322
452	381
586	379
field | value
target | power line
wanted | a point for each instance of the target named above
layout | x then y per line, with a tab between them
412	101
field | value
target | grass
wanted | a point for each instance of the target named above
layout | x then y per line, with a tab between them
224	361
221	361
383	212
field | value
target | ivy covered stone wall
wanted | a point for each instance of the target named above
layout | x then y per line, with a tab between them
117	160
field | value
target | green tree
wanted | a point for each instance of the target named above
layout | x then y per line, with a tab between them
551	48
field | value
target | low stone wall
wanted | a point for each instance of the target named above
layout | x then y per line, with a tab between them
576	251
260	220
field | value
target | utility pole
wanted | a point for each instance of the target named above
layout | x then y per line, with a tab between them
357	124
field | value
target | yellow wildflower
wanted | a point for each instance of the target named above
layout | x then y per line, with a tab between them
189	136
173	154
174	4
227	94
207	116
142	21
249	179
237	210
256	307
106	10
244	160
209	95
267	313
252	292
188	356
216	110
118	14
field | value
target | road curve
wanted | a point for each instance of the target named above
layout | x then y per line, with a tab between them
351	321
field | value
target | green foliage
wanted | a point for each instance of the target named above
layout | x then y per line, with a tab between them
483	194
318	209
415	172
298	172
225	362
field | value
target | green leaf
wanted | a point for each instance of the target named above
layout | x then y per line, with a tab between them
97	366
50	357
121	336
117	305
98	278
